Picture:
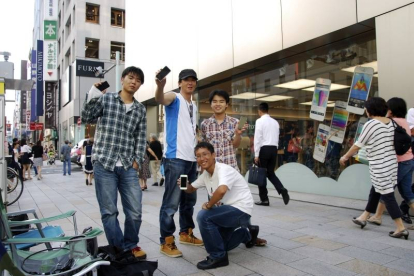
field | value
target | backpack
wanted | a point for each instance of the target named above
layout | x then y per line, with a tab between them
123	263
402	141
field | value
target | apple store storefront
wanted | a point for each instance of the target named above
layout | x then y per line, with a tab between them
288	85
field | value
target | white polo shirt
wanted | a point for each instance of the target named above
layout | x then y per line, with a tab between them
238	194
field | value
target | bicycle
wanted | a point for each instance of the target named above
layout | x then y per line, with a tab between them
14	187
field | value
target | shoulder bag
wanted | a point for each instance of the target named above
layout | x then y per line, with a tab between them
402	141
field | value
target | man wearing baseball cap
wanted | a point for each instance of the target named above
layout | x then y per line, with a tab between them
180	140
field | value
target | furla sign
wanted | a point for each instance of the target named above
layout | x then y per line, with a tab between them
85	68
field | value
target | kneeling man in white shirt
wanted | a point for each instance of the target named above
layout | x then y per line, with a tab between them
224	220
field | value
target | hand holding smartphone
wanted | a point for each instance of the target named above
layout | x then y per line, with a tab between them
163	73
183	184
242	122
102	86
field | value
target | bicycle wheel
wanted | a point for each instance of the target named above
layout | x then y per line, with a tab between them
13	180
14	195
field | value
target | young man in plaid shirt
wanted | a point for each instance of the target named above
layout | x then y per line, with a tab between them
120	143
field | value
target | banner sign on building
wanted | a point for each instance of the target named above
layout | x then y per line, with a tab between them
23	106
33	92
39	79
49	105
50	61
28	118
50	30
50	9
85	68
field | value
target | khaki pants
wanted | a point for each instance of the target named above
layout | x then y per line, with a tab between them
155	170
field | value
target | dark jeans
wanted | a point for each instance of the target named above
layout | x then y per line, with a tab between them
267	159
174	197
389	201
223	228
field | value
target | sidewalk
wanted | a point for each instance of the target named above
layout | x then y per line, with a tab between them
303	238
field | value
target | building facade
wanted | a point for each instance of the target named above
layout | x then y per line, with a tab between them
274	51
88	34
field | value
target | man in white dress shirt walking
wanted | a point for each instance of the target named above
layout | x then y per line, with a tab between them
266	140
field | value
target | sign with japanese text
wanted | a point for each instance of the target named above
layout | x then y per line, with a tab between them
36	126
33	74
39	79
49	105
23	103
50	63
50	30
50	9
27	117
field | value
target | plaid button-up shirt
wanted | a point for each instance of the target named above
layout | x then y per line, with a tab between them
119	134
221	137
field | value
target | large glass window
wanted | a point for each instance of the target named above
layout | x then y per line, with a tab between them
287	86
120	47
91	48
118	18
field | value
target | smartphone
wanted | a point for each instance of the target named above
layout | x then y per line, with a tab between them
339	121
163	73
321	142
103	86
358	94
242	122
320	99
183	185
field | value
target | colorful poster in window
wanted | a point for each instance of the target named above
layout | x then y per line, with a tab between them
321	143
359	91
320	99
339	120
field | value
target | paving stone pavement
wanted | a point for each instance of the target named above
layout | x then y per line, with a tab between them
303	238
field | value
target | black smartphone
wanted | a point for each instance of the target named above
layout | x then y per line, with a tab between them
163	73
103	86
183	185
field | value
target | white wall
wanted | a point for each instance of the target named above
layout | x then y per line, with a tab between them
371	8
395	44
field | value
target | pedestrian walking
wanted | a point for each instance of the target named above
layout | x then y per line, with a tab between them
377	137
26	153
88	167
266	140
155	161
144	170
38	158
118	153
65	152
180	140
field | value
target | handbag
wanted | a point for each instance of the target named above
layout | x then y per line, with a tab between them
292	147
44	157
402	141
83	159
257	176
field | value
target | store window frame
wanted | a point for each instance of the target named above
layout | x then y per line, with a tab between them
115	14
90	45
118	46
92	13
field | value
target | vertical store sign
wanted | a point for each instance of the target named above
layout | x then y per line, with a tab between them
23	94
39	79
50	58
50	9
49	105
50	61
33	75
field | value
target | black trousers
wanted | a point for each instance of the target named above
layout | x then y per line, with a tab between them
389	201
267	159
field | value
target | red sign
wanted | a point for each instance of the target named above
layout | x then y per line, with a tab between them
36	126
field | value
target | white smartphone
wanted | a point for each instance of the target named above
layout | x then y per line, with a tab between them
321	142
320	99
358	94
339	121
183	185
242	121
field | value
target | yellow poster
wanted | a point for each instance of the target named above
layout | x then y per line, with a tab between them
1	88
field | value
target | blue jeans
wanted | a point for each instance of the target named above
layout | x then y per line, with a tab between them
405	173
174	197
223	228
107	185
66	160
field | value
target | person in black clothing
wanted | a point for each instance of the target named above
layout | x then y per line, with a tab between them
155	161
37	151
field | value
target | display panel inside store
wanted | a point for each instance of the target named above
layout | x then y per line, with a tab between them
287	86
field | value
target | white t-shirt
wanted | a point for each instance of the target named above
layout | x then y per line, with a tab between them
238	194
25	148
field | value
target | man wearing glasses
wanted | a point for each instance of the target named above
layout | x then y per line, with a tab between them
180	140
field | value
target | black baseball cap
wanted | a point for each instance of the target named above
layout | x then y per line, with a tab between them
187	73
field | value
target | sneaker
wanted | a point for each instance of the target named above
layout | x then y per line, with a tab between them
189	238
169	248
139	253
210	263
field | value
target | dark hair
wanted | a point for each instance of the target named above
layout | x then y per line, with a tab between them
39	143
135	71
398	107
220	93
15	140
84	143
264	107
66	142
376	106
16	143
22	142
204	145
